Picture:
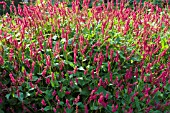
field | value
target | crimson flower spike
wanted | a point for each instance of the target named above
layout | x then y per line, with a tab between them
75	54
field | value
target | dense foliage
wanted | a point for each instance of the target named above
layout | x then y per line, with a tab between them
101	59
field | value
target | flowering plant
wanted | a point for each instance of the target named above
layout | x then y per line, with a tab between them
103	59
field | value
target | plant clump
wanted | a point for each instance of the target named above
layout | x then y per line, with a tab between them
55	58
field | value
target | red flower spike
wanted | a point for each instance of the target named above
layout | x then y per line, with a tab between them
68	104
154	91
32	66
75	54
54	93
117	94
109	68
71	83
52	74
92	74
56	97
111	54
44	72
12	78
61	65
76	100
101	100
100	82
86	108
76	80
1	60
85	72
107	96
18	93
48	62
30	76
43	102
68	92
31	84
111	77
48	80
114	108
54	110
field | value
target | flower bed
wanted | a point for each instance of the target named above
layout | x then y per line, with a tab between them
100	59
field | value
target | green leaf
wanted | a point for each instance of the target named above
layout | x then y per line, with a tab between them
90	14
47	108
70	41
168	87
35	78
48	94
81	68
101	89
157	111
135	59
8	95
109	109
94	107
69	110
27	94
70	63
61	103
61	94
121	55
54	83
1	111
85	91
21	97
80	104
137	103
